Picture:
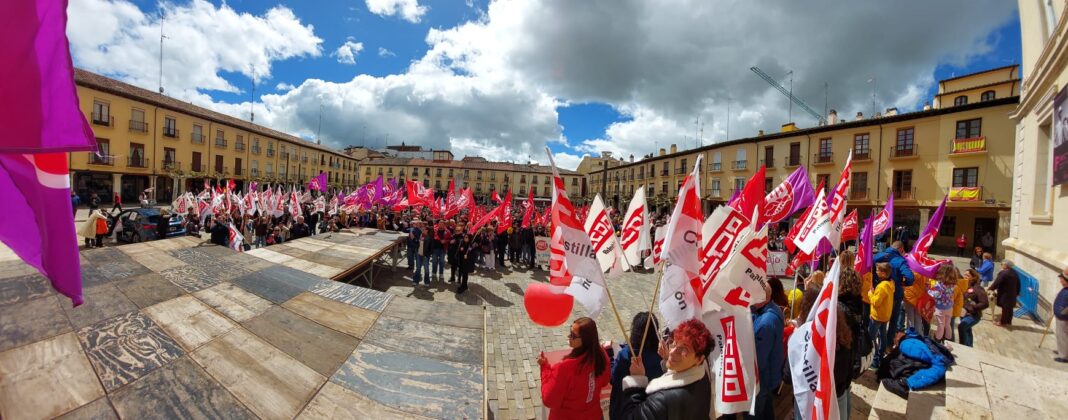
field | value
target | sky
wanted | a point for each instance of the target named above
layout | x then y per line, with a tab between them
504	79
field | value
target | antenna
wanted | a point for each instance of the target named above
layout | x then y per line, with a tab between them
252	106
791	112
728	117
826	89
873	87
320	129
161	38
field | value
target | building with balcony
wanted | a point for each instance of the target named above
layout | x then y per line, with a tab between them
145	139
964	151
482	176
1039	214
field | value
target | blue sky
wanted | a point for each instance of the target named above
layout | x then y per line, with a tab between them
566	75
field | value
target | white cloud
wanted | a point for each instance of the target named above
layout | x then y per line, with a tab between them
382	52
347	52
282	87
409	10
116	38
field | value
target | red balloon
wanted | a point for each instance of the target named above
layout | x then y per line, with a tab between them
545	307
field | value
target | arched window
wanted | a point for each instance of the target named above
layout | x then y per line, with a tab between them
960	100
987	96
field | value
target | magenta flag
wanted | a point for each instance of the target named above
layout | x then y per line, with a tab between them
918	260
864	257
795	193
39	78
318	183
38	225
885	218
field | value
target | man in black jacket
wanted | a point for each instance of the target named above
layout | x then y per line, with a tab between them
220	233
299	229
1007	287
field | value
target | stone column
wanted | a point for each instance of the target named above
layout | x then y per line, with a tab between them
1004	223
152	184
177	186
116	183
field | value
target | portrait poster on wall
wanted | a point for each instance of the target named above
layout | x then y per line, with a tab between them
1060	137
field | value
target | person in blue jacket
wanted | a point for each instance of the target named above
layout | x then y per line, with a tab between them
924	351
768	323
621	363
902	276
986	270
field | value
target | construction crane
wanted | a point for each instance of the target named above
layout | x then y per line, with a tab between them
790	95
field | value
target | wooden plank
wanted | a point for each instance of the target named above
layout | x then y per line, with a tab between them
189	321
233	301
357	296
442	313
455	344
268	381
337	402
46	379
339	316
125	348
180	390
318	347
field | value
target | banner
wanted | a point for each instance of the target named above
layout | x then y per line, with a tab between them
541	250
964	193
811	353
1060	137
816	226
777	263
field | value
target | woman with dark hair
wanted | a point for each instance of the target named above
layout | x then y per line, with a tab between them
650	359
571	389
778	293
684	391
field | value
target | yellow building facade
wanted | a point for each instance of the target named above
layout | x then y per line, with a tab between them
965	151
148	140
1040	207
482	176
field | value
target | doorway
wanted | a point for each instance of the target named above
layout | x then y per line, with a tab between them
985	235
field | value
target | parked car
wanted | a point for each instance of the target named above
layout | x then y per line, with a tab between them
140	224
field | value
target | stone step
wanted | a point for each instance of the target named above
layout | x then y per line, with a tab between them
887	405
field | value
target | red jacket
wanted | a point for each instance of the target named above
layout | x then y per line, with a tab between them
570	390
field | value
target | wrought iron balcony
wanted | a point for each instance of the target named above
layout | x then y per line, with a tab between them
136	162
172	165
900	152
220	142
197	138
171	132
104	160
138	126
104	120
741	164
823	158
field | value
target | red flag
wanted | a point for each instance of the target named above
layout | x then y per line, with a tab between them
504	217
496	198
850	230
752	195
528	210
483	219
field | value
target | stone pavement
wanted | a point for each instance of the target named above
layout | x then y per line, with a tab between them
173	329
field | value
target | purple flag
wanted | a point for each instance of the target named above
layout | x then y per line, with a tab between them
864	257
318	183
375	191
39	78
793	194
885	218
38	226
734	197
917	258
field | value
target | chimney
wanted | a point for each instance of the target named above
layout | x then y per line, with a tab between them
760	132
890	112
832	117
926	106
632	158
789	127
662	151
860	116
674	148
606	155
877	115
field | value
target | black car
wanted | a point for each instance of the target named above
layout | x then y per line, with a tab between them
140	224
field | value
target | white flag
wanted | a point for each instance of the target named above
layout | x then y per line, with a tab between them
653	260
580	258
733	359
838	205
816	226
635	235
684	229
677	301
603	237
236	239
811	351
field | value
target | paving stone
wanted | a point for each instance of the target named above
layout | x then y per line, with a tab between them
16	268
247	262
957	408
23	288
103	255
189	255
96	410
46	379
189	321
413	384
342	317
454	314
318	347
118	268
455	344
101	302
156	260
233	301
278	284
353	295
967	385
32	320
335	401
148	289
269	382
127	347
270	255
179	390
216	251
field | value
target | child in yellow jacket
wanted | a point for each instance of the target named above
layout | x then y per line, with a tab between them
882	303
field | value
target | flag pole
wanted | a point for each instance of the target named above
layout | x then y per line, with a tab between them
649	319
619	319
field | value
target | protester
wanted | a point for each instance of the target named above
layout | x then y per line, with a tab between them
467	254
90	229
963	282
902	276
962	242
454	254
912	315
571	389
942	293
986	269
220	233
915	363
977	258
415	234
422	257
650	358
975	302
768	323
684	391
882	301
1060	311
75	201
1007	288
94	202
299	229
164	224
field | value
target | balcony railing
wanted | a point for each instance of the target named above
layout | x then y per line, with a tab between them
270	152
106	160
664	172
866	155
220	142
237	170
197	167
966	193
255	150
138	126
823	158
239	146
903	152
222	170
268	174
104	120
197	138
715	166
768	163
969	145
715	193
793	160
254	172
858	194
171	132
304	159
904	193
136	162
740	164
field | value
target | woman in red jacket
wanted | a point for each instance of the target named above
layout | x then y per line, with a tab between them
571	389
